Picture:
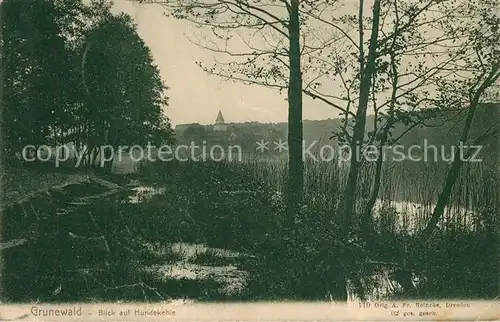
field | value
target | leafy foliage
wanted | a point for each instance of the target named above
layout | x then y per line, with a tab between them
78	73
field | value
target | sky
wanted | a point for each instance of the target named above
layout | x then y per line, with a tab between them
195	96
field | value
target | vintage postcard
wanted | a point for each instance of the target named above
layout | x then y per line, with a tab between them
250	160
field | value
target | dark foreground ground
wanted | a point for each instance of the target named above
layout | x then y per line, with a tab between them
210	232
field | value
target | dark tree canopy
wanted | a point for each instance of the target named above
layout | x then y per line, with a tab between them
76	72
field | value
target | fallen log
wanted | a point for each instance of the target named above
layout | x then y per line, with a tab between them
105	194
12	243
105	183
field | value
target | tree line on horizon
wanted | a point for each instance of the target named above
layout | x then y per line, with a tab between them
441	131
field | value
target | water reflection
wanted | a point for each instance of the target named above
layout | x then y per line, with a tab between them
202	263
409	216
145	193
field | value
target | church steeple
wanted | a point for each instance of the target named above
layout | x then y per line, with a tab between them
220	124
220	118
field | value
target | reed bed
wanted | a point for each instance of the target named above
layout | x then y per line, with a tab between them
408	190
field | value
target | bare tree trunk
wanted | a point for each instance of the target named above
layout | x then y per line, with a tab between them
295	162
359	127
456	165
108	165
366	220
88	155
95	162
452	174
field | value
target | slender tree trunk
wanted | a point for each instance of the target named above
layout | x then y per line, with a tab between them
295	162
452	174
108	165
95	154
367	222
456	165
359	127
367	219
88	157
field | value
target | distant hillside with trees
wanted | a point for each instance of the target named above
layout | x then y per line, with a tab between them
443	129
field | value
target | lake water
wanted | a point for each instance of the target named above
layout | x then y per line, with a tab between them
407	215
231	279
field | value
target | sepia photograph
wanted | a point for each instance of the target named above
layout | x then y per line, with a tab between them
246	157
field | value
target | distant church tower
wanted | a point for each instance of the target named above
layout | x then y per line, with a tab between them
220	125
